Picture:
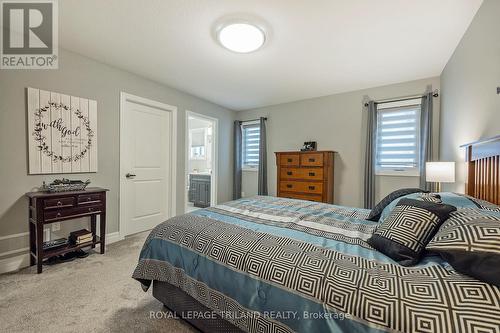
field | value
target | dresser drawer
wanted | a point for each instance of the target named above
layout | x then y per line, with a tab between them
300	196
303	187
86	199
69	212
289	159
63	202
313	159
302	173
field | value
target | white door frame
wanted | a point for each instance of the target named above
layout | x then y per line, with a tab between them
172	176
215	160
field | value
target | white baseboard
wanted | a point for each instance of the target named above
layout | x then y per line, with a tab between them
14	263
113	237
23	260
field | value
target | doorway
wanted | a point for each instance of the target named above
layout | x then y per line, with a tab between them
147	163
201	161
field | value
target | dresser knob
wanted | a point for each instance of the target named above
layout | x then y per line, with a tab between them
59	203
312	187
289	185
311	160
58	215
88	199
91	209
312	174
289	160
289	173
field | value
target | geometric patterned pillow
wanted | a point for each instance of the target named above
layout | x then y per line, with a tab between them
404	234
431	197
377	210
471	247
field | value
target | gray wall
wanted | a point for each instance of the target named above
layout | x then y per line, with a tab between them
336	123
81	76
470	105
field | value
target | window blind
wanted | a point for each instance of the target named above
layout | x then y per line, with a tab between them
251	140
398	135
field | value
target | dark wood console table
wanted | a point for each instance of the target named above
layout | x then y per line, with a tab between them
46	208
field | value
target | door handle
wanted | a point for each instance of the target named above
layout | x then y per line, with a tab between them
130	175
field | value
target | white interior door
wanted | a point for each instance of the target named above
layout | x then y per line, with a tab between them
145	163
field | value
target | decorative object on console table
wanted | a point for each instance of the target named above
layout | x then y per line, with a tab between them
64	185
309	146
439	172
45	208
305	175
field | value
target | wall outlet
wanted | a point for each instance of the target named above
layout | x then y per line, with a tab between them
242	194
56	226
46	234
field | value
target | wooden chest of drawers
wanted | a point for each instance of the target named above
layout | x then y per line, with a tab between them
305	175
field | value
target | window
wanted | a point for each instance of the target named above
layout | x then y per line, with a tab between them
251	140
198	142
398	138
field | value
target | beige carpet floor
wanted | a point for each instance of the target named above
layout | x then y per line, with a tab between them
94	294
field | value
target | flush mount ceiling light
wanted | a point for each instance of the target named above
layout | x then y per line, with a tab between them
241	37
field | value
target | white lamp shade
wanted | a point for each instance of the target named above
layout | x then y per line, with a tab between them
440	172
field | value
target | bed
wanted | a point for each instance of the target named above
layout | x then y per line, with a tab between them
268	264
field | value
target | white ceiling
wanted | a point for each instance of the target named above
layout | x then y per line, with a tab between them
314	47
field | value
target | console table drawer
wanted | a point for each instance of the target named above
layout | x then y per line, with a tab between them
63	202
50	216
85	199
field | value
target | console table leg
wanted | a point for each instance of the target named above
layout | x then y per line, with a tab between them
39	247
32	242
102	225
93	227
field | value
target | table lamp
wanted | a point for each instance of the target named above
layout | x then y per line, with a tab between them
440	172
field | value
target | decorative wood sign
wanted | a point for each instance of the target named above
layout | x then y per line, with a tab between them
62	133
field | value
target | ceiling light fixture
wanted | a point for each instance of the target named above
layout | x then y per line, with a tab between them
241	37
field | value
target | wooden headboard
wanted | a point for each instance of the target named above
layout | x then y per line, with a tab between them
483	169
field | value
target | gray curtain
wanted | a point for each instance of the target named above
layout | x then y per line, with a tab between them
262	183
371	137
426	146
237	160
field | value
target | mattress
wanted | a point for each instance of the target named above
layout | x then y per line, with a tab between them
268	264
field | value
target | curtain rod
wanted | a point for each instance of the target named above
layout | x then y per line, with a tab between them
247	121
404	98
